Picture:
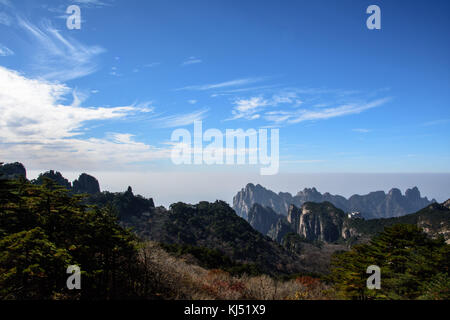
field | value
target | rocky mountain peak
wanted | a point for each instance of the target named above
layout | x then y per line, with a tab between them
309	192
86	184
395	193
56	176
250	186
12	170
244	200
413	194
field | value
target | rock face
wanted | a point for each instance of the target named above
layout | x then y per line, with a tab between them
280	229
324	222
262	218
244	200
373	205
86	184
12	171
317	221
56	176
312	222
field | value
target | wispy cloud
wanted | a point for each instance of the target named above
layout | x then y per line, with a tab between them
361	130
248	108
302	161
179	120
436	122
37	127
152	65
291	106
92	3
322	114
240	90
231	83
191	60
5	51
290	97
57	57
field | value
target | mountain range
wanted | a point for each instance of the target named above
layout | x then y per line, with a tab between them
374	205
277	237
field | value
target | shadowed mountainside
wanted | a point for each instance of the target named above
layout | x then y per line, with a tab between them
373	205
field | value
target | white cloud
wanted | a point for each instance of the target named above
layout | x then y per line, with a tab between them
37	128
302	161
361	130
290	97
5	51
57	57
191	60
180	120
278	116
306	115
193	101
248	108
292	105
152	65
90	3
231	83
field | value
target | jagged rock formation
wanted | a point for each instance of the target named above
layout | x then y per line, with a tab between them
56	176
12	171
312	222
244	200
262	218
86	184
324	222
280	229
373	205
130	207
317	221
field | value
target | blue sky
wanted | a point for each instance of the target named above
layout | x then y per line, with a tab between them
107	97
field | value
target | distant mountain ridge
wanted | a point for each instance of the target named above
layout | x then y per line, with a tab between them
373	205
84	184
323	222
